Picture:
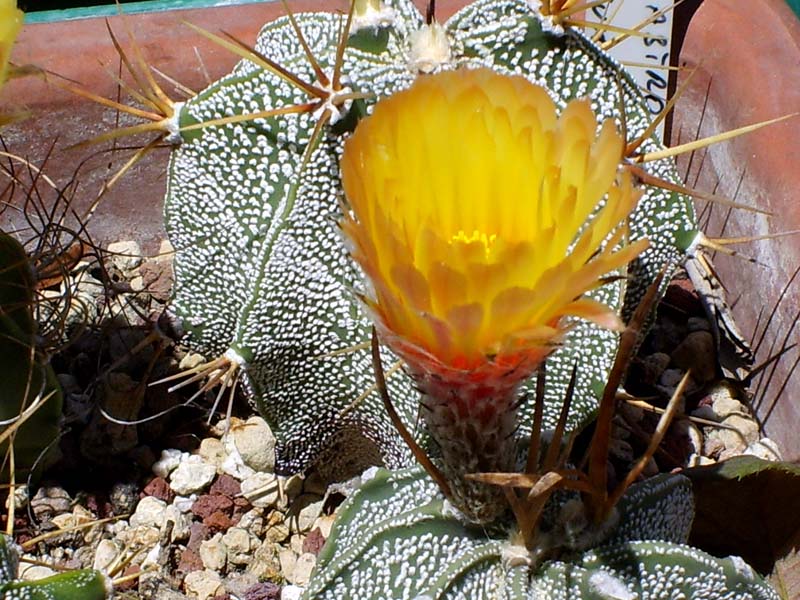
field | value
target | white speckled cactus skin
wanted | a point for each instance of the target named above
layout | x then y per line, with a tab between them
260	267
395	539
84	584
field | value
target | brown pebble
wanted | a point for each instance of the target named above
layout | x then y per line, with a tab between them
698	353
240	506
314	542
266	590
130	584
207	505
197	533
190	561
157	280
159	488
225	485
713	448
218	522
682	295
91	503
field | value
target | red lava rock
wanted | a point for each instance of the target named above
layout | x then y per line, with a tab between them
240	506
206	505
91	503
105	510
265	590
131	584
190	561
314	541
225	485
218	521
706	400
159	488
197	533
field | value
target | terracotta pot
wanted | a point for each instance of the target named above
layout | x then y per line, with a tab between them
748	60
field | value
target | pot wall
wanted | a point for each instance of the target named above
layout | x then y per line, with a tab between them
81	50
748	59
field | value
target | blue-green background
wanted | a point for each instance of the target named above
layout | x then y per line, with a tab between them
35	13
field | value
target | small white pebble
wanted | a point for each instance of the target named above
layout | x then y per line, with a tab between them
149	512
169	461
184	503
233	464
106	553
193	474
262	490
303	568
765	449
29	572
125	255
291	592
256	444
213	553
203	584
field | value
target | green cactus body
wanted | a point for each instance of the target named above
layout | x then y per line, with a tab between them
84	584
26	375
73	585
395	538
261	273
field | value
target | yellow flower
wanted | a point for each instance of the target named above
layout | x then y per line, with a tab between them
473	213
10	22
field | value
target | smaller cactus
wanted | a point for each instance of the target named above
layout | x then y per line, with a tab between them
396	538
84	584
30	389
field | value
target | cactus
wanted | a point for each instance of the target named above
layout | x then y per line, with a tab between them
30	392
396	538
29	384
85	584
277	282
262	280
254	207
